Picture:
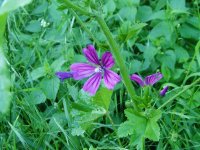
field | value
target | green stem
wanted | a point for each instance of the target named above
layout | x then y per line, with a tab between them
120	62
114	48
113	125
175	96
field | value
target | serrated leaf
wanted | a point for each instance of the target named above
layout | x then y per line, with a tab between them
50	87
161	29
181	54
37	73
57	119
33	26
128	13
125	129
152	130
168	59
155	114
188	31
178	6
144	13
141	125
103	98
73	92
37	97
109	6
136	66
78	131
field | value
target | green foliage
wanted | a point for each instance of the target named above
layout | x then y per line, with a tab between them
141	125
46	113
86	113
103	98
50	87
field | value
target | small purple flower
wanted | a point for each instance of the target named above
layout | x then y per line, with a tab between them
149	80
95	69
163	91
64	75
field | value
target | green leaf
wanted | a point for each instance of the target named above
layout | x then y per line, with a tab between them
181	54
136	66
129	31
152	130
57	64
144	13
50	87
73	91
194	21
168	59
37	73
37	97
162	29
109	6
178	74
57	120
40	8
128	13
141	125
178	6
33	26
188	31
126	129
103	98
78	131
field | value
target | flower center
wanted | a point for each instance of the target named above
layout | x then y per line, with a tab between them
98	69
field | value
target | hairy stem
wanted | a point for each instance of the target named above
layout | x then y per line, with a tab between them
120	62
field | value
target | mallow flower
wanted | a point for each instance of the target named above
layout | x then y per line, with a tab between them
64	75
95	69
149	80
163	91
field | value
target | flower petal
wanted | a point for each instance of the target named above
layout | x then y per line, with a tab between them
111	78
137	79
92	84
82	70
152	79
91	54
107	60
64	75
163	91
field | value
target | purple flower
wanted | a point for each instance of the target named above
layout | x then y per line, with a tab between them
64	75
163	91
95	69
149	80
